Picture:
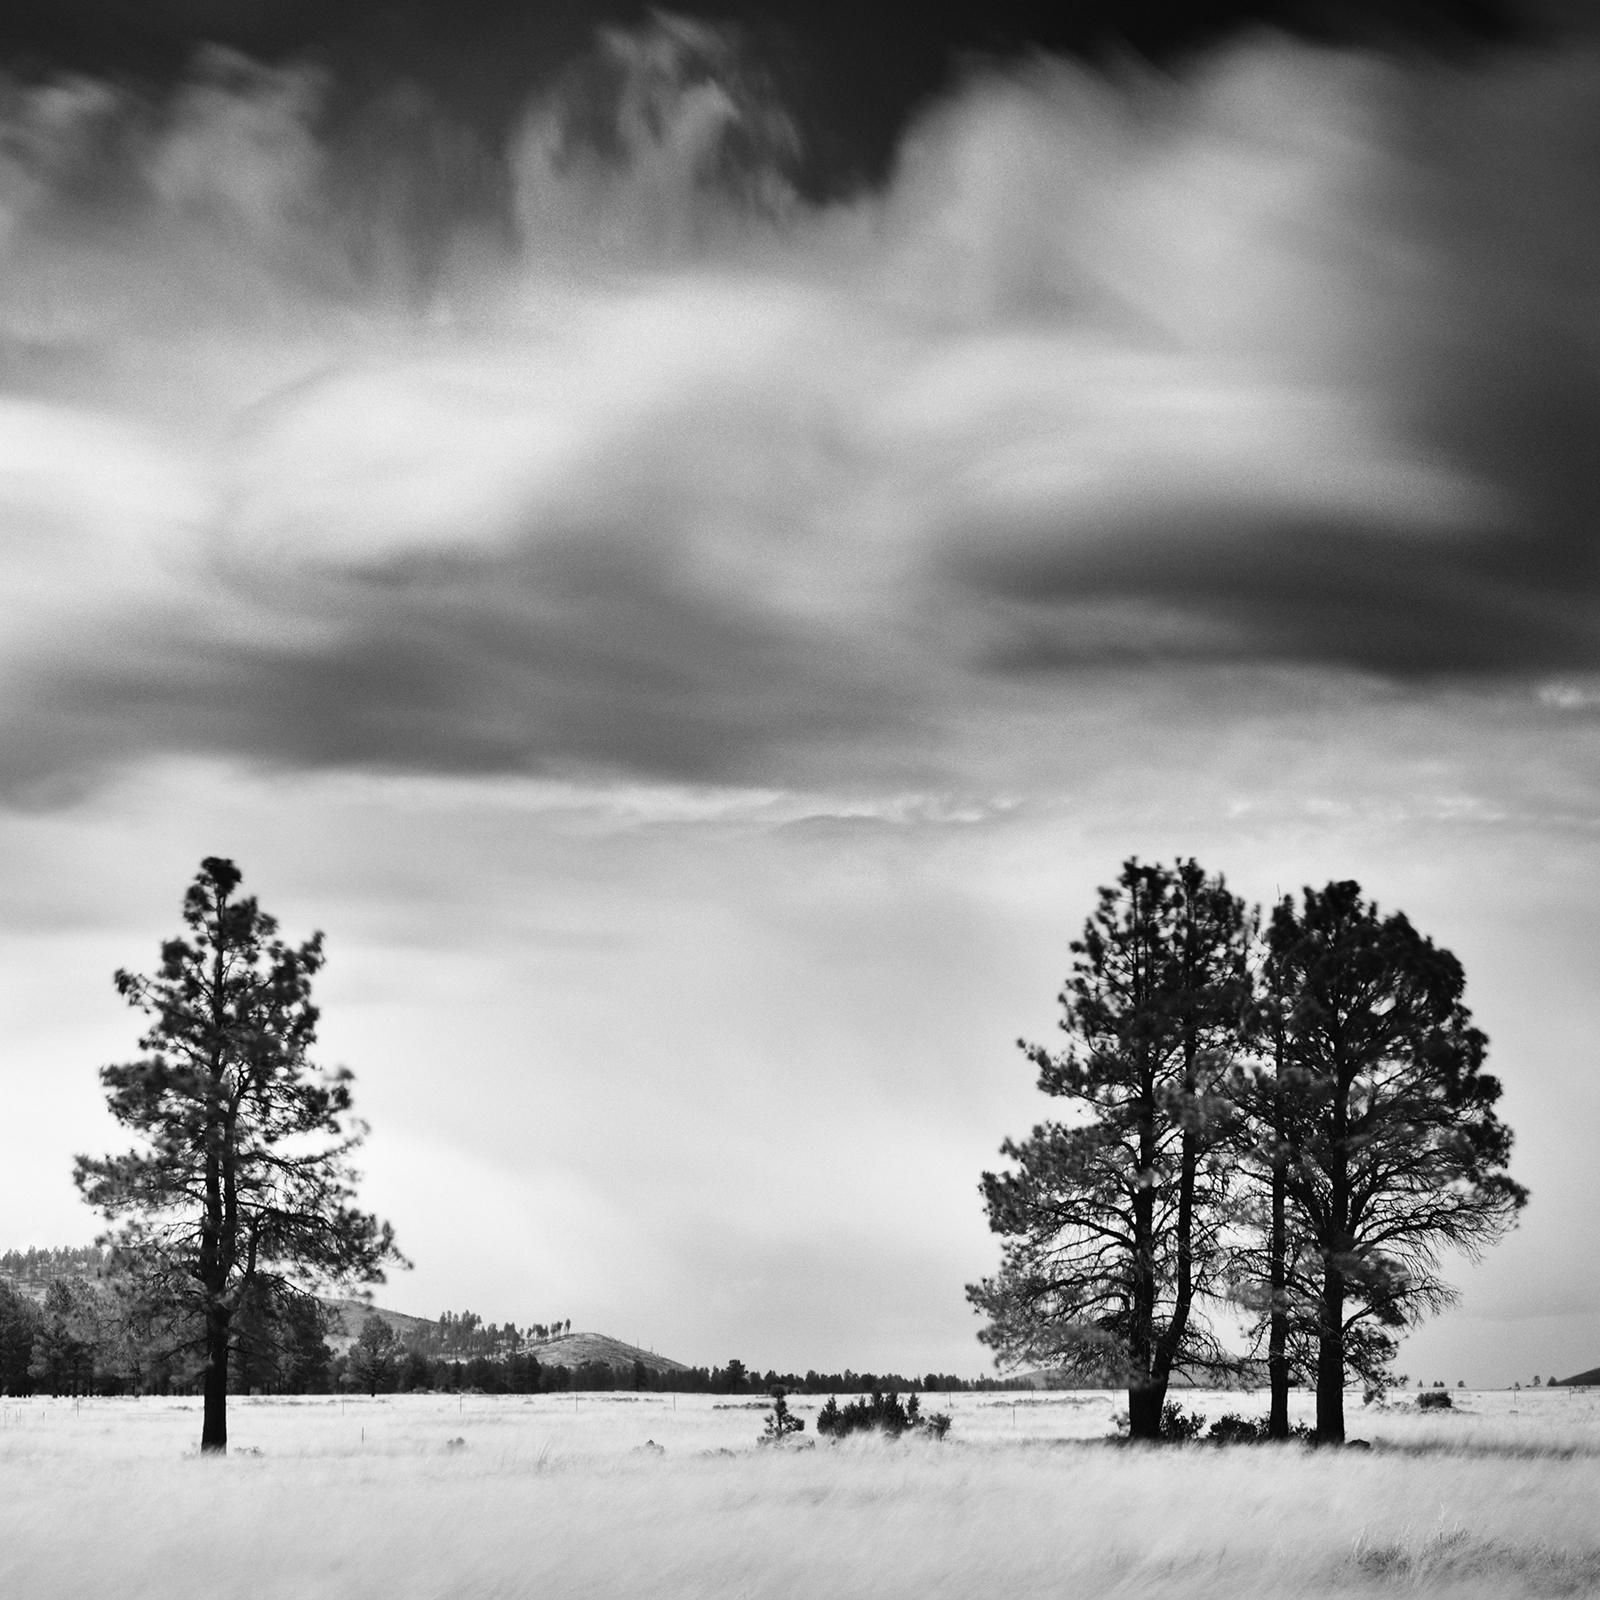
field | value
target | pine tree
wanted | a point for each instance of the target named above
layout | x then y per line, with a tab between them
20	1323
1111	1217
241	1179
1391	1149
781	1422
375	1356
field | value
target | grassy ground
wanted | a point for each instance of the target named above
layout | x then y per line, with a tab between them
544	1498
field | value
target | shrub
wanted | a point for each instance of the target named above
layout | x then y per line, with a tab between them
1434	1400
882	1413
1234	1429
1179	1426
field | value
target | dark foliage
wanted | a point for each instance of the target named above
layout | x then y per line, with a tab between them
20	1322
879	1412
1179	1426
1231	1429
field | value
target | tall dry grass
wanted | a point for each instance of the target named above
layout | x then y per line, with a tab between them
367	1499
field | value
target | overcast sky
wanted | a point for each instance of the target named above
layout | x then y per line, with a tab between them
689	548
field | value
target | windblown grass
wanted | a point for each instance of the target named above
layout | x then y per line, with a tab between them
374	1501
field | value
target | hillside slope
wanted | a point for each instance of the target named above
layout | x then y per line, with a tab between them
568	1350
573	1349
1584	1380
346	1316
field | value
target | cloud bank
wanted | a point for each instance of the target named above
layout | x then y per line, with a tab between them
339	435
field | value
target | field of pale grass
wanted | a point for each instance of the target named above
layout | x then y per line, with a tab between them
477	1497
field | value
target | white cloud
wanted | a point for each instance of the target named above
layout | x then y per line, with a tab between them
1568	694
100	517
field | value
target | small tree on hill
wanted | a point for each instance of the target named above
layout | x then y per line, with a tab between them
375	1356
242	1174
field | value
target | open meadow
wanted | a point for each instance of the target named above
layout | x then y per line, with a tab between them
476	1496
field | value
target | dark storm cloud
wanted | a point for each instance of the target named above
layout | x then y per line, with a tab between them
364	440
851	73
1468	270
1295	590
578	656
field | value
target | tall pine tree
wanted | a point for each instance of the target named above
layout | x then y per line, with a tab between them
1111	1216
1388	1149
241	1180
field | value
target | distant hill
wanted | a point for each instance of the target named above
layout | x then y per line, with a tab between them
573	1349
346	1316
567	1350
31	1271
1584	1380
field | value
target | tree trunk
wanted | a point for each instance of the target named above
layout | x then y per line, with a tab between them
1145	1401
1144	1412
1278	1323
1172	1336
1336	1243
1330	1355
214	1427
1143	1380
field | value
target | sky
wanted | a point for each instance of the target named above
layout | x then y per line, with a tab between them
689	544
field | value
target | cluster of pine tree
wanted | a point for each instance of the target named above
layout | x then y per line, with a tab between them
1286	1114
463	1335
38	1265
100	1335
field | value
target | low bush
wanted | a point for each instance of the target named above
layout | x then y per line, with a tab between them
1179	1426
881	1413
1434	1400
1234	1429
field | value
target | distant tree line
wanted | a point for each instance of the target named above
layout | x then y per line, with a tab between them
462	1335
101	1335
39	1264
88	1334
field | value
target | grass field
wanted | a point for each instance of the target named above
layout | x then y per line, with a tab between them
430	1495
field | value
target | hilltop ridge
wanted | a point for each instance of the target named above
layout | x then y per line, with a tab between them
563	1350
